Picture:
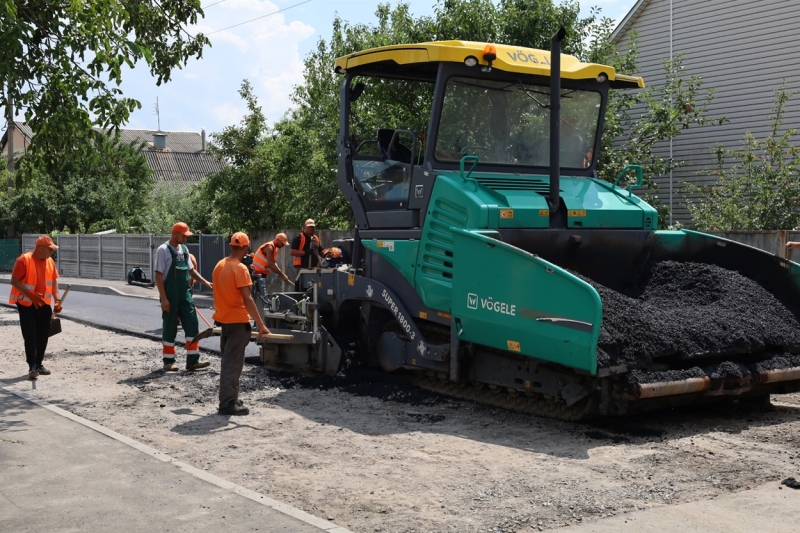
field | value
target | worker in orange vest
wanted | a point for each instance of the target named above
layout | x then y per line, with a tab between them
33	289
265	261
306	247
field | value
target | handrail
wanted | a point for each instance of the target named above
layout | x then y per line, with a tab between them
639	177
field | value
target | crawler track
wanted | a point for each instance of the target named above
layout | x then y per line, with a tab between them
499	397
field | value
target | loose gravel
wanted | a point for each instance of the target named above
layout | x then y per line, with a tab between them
378	456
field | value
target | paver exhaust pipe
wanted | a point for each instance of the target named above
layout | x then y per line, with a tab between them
555	122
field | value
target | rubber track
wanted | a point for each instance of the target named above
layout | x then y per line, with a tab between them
520	402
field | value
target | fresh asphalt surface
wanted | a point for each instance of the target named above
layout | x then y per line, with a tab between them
137	315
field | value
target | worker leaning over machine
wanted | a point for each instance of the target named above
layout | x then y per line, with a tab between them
173	272
265	261
33	289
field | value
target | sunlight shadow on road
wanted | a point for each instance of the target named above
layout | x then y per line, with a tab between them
207	424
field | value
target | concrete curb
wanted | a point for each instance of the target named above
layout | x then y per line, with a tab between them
111	291
283	508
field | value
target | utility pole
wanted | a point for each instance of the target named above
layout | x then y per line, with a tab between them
10	134
10	231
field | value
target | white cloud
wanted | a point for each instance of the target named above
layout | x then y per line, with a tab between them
228	113
264	51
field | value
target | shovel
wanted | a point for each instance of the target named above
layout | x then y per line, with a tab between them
55	322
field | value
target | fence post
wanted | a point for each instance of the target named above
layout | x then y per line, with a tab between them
78	254
150	248
200	259
58	256
100	256
124	255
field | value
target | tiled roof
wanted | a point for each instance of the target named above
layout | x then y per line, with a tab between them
181	169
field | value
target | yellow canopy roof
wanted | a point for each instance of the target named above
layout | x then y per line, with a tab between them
509	59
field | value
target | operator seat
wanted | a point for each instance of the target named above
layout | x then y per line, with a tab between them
399	151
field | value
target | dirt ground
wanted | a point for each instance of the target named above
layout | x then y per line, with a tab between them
377	455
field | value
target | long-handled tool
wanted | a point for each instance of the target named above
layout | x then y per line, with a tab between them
211	330
55	322
206	333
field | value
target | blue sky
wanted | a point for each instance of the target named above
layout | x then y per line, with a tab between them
268	52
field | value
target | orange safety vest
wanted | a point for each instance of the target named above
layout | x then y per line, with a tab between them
297	260
260	263
30	281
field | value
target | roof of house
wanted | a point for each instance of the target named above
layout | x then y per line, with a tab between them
183	162
632	15
181	169
21	127
177	141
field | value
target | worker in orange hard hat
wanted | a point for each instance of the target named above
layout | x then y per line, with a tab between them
33	289
233	308
265	260
266	257
306	247
173	270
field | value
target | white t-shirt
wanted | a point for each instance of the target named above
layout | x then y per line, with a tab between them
164	258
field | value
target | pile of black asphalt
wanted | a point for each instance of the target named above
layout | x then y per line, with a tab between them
688	312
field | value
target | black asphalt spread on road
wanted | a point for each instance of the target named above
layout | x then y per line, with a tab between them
690	314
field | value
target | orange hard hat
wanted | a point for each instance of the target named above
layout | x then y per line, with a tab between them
182	228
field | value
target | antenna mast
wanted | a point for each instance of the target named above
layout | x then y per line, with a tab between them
157	113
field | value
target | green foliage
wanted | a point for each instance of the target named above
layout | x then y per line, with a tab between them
103	186
760	188
62	62
166	205
637	122
277	177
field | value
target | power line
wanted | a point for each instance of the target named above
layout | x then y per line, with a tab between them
257	18
209	5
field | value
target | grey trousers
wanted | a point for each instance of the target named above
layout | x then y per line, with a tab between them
232	343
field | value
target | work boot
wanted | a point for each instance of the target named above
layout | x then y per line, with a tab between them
43	371
198	365
235	408
33	373
170	367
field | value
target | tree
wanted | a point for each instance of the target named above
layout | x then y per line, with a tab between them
61	62
758	185
637	122
105	185
279	176
165	205
248	193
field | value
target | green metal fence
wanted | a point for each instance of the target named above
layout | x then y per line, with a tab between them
9	251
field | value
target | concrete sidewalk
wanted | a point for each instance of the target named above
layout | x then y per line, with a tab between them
117	288
63	473
769	508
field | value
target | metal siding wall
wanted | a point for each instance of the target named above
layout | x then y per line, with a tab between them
113	266
138	253
90	256
734	59
120	253
68	255
214	248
